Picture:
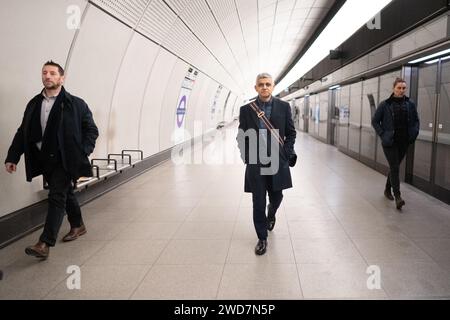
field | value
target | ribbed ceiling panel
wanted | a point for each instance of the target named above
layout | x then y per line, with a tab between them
129	11
230	40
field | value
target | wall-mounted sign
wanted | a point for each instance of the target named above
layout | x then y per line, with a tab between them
182	104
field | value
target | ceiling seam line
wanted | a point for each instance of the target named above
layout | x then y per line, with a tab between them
178	16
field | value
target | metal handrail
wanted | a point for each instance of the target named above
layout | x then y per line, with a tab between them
139	151
121	155
109	161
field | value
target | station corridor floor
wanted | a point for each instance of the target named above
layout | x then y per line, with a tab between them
186	232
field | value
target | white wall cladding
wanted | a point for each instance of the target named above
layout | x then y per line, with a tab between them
129	90
158	84
94	66
26	46
130	75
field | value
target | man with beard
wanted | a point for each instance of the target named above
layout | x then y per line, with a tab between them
56	135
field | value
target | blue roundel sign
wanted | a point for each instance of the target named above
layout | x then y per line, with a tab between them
181	111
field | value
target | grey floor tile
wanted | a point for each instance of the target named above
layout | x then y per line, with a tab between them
308	212
101	282
316	229
425	228
399	249
415	280
213	214
148	230
31	278
128	252
260	281
195	252
163	214
110	215
371	229
438	249
324	250
337	281
205	230
180	282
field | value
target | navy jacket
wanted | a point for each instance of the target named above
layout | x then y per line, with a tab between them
383	121
77	134
281	119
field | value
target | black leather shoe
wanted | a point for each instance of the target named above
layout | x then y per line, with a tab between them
261	247
399	202
270	218
388	194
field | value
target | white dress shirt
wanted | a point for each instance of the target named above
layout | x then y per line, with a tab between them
46	107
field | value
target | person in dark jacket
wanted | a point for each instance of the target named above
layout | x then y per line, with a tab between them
397	123
56	135
267	169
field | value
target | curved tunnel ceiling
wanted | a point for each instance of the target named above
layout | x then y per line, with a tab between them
230	40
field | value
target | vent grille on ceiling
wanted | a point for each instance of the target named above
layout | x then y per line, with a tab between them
176	24
178	5
129	11
157	21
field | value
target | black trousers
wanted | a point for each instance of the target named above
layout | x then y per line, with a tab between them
394	156
61	199
264	186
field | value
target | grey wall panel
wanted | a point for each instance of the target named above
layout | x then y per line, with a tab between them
129	89
28	41
152	106
94	66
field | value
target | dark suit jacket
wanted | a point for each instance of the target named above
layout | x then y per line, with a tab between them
77	133
281	119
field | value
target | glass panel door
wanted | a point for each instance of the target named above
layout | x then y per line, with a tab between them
426	107
355	117
344	111
442	170
369	104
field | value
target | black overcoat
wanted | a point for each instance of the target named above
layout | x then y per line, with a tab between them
281	119
77	134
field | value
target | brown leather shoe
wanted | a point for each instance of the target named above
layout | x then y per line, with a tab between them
39	250
74	233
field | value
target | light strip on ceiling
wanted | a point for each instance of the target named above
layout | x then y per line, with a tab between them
352	15
437	54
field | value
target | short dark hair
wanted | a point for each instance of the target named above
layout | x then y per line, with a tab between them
398	80
51	63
